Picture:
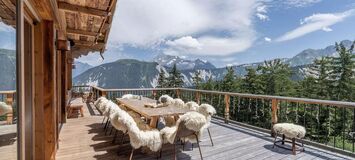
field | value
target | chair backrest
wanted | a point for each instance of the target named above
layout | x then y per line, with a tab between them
183	131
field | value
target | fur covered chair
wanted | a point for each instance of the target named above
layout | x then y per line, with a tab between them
139	138
291	131
179	103
188	127
208	111
166	99
5	109
191	105
130	96
117	121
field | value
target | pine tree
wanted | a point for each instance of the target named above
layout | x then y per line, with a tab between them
209	85
228	80
343	73
162	81
196	78
175	78
252	83
276	78
320	71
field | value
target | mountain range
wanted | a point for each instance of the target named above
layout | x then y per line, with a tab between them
127	73
7	69
80	67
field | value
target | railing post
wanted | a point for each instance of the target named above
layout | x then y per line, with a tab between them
226	110
197	97
155	94
104	94
274	107
9	101
177	93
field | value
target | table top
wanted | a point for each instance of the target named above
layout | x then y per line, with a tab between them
139	107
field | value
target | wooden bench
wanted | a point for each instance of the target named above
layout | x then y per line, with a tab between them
75	104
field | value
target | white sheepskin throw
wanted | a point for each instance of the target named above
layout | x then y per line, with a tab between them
290	130
193	121
179	103
138	138
192	105
166	99
110	108
208	111
130	96
116	123
4	108
100	103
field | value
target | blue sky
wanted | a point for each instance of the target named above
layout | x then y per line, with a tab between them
223	32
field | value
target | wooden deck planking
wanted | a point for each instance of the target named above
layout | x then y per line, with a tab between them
83	138
8	142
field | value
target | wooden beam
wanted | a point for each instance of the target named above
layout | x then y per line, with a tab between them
87	43
82	32
82	9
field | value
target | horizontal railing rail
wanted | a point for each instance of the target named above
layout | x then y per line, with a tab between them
329	124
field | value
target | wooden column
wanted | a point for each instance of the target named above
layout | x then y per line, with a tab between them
49	90
274	107
70	70
64	86
226	110
10	101
44	91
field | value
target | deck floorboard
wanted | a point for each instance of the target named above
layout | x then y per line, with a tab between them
84	138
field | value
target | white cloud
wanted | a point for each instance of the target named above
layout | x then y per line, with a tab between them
145	23
327	29
6	28
301	3
267	39
262	17
320	21
185	43
261	11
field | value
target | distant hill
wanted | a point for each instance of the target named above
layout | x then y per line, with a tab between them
309	55
80	68
124	73
7	69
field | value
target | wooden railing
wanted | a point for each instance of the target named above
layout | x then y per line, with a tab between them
329	124
9	98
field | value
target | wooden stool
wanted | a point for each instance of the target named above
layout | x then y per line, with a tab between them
289	131
73	107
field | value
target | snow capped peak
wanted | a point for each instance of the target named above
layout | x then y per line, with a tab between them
182	63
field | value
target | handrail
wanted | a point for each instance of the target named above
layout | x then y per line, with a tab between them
246	95
8	92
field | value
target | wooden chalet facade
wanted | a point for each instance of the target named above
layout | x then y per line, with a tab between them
50	34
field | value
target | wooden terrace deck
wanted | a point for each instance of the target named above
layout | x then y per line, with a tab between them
83	138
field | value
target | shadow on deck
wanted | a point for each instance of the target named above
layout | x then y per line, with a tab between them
84	138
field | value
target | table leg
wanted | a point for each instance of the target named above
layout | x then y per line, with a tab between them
153	122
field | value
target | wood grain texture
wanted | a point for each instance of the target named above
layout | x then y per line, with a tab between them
138	106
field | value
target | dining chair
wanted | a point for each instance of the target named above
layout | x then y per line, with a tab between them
187	128
139	138
208	111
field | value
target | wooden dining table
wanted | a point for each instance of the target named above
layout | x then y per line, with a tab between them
140	106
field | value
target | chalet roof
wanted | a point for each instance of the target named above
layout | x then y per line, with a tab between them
86	22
